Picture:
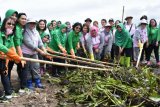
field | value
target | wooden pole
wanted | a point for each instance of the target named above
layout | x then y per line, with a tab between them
123	14
80	61
139	56
63	64
85	59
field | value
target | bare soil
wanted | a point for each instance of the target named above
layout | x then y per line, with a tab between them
39	98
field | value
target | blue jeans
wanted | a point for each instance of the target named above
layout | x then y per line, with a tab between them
6	84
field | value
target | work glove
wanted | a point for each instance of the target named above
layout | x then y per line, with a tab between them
140	45
13	55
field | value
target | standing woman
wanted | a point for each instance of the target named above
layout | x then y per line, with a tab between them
58	25
18	38
153	39
95	43
54	25
108	39
69	27
42	27
58	43
117	22
140	39
7	48
123	44
95	23
74	39
50	27
31	46
83	40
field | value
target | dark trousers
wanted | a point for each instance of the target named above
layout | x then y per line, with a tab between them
21	75
113	52
57	69
6	84
126	51
10	67
144	52
152	47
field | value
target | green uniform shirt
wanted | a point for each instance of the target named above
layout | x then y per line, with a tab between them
8	42
72	41
18	38
41	34
123	38
153	35
58	38
52	32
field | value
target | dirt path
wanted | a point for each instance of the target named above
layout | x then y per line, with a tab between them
39	98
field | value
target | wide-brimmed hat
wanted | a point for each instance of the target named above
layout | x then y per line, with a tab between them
107	25
88	19
128	17
30	20
143	21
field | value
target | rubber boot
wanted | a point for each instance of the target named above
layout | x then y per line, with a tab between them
29	84
127	62
121	60
38	83
92	57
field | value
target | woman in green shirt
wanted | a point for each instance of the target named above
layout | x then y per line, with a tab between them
123	44
74	39
17	39
42	27
153	39
7	48
58	43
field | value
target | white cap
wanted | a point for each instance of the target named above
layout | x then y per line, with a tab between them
107	25
30	20
143	21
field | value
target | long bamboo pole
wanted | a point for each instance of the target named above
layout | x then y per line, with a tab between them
80	61
123	14
63	64
85	59
139	56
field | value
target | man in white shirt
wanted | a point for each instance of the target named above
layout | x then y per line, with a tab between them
130	26
103	23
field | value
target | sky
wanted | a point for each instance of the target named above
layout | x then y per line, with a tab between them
79	10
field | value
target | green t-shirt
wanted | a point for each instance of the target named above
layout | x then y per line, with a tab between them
6	43
72	41
18	37
153	35
58	38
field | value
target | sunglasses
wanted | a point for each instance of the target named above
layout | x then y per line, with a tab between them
11	24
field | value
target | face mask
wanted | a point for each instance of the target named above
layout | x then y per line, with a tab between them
9	31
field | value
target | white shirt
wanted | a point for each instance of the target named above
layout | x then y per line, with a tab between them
133	29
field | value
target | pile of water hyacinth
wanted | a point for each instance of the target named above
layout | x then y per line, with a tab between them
120	87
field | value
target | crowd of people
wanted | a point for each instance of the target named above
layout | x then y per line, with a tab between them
115	41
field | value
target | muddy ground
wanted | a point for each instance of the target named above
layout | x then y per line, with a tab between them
38	98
